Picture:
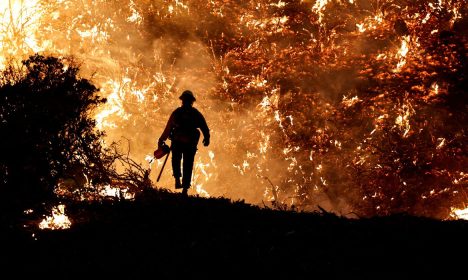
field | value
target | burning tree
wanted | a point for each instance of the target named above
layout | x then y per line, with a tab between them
366	101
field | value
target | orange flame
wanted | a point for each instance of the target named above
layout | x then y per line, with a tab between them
58	220
140	68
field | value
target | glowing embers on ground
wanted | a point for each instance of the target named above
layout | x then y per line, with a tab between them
116	192
58	219
81	189
459	214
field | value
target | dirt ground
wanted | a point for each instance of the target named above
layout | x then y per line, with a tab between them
162	235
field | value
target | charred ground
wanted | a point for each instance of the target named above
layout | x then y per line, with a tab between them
162	235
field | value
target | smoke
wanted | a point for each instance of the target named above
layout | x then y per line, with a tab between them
297	94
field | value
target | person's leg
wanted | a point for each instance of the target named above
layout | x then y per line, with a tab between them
176	159
189	157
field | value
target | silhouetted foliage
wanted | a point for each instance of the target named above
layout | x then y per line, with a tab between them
45	127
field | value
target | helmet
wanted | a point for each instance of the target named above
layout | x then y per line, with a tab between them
162	150
187	95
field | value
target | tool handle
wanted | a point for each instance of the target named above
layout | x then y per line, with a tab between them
162	168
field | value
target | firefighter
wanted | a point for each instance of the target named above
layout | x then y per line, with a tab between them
183	130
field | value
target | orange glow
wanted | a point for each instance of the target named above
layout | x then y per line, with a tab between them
302	97
58	220
459	214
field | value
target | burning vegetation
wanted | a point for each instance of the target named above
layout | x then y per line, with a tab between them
58	220
358	106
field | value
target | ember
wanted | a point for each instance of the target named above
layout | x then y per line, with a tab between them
355	106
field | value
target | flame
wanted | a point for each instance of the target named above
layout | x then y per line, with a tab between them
274	80
402	53
136	16
349	102
459	214
370	23
58	220
319	8
403	120
275	24
19	20
115	192
201	171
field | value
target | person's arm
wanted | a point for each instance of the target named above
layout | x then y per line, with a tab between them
205	130
167	130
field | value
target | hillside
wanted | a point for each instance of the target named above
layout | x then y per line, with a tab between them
161	234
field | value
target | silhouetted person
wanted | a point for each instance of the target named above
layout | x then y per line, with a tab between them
182	130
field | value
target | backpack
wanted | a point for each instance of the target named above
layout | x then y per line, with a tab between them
186	123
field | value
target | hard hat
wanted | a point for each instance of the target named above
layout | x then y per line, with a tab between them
162	151
187	95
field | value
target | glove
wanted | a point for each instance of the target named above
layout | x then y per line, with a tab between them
206	142
161	143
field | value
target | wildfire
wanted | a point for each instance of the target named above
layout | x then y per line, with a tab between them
201	171
115	192
319	8
403	119
459	213
329	100
19	20
58	220
402	53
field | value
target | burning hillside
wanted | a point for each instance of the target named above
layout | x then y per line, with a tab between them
355	105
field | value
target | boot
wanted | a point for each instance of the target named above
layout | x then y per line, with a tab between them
185	192
178	185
